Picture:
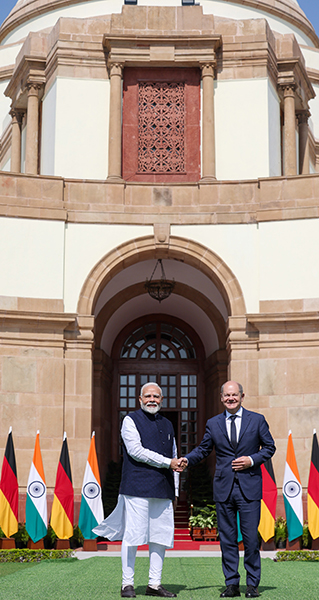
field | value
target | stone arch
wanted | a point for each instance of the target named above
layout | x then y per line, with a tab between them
145	248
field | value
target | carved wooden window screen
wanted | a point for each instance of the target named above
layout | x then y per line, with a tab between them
161	127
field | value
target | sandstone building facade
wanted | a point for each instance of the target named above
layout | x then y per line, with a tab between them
132	132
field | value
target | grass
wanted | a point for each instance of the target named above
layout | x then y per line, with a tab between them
191	578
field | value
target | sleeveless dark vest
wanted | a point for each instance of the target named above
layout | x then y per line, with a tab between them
140	479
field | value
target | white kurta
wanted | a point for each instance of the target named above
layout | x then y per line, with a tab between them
139	521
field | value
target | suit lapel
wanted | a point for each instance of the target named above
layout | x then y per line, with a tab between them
222	424
245	420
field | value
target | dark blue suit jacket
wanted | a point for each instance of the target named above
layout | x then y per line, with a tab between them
255	440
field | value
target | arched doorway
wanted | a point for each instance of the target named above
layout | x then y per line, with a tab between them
169	352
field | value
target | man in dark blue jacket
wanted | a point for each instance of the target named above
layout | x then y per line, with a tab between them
242	443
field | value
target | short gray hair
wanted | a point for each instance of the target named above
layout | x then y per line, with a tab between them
240	388
150	383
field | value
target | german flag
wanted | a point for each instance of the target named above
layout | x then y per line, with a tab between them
313	490
266	526
9	494
63	501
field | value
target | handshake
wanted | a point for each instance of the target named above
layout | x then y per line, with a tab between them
179	464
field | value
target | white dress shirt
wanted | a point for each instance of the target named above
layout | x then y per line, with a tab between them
238	420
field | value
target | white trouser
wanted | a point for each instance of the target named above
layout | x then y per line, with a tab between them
156	554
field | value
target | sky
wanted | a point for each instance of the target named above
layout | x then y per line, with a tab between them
310	8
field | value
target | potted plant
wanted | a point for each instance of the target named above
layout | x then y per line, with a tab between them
196	527
205	519
280	532
209	522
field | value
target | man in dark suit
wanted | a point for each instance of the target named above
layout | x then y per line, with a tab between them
242	443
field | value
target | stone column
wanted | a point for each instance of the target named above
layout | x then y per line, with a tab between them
208	124
16	140
303	142
290	157
32	138
115	126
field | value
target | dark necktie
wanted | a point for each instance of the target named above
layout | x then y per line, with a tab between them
233	432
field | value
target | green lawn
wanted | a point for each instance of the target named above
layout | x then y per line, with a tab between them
191	578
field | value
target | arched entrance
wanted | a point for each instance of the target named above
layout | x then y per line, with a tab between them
169	352
206	293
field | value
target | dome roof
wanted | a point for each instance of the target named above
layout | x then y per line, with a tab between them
287	10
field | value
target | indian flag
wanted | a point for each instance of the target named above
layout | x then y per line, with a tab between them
36	516
91	510
292	492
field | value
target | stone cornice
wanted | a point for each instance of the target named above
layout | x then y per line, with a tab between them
6	72
268	199
187	49
282	9
36	320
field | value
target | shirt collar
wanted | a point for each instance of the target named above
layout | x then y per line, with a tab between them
239	413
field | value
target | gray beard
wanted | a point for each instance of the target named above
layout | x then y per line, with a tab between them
151	409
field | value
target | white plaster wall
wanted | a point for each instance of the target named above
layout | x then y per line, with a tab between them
4	106
314	109
289	258
48	131
233	11
311	56
6	165
271	261
81	129
242	129
104	7
92	8
31	258
274	132
8	54
85	245
237	246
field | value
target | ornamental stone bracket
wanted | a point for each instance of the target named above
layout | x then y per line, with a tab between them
29	70
162	234
81	332
292	75
185	50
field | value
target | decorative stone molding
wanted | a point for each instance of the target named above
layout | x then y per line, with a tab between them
162	233
143	248
259	200
36	328
273	330
161	49
284	9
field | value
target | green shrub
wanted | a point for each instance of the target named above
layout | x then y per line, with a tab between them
301	555
26	555
280	529
21	537
306	537
49	538
77	539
